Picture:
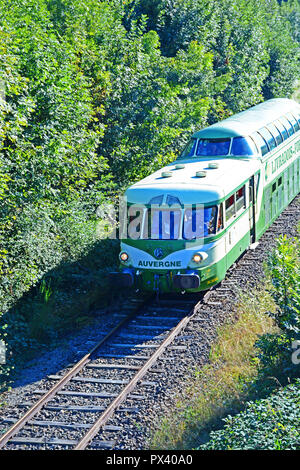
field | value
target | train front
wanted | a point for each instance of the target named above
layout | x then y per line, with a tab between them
169	227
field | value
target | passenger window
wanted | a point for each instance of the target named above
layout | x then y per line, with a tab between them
293	121
240	199
276	134
260	142
220	224
229	207
287	125
281	129
266	134
296	125
292	127
254	143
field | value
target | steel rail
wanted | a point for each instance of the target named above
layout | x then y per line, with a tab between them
85	440
13	430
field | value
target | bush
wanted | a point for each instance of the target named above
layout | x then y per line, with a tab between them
271	424
283	271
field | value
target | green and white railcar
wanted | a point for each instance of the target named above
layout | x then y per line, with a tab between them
191	220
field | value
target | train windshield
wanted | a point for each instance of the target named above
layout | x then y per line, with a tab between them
174	223
199	222
164	224
213	147
232	147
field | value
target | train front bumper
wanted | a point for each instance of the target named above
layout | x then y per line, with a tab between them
166	281
186	281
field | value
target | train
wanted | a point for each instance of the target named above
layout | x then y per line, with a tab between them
188	223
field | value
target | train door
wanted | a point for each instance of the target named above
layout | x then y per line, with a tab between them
286	187
252	203
274	200
280	194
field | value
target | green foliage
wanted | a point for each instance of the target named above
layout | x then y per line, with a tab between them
152	112
283	48
255	42
272	424
283	270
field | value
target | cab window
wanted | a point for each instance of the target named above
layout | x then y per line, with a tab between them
242	146
199	222
164	224
229	208
189	150
135	218
213	147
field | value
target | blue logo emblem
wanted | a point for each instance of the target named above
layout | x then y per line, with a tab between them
158	253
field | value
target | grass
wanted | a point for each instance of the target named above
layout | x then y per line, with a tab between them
222	386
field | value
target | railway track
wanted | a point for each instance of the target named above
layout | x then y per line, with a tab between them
94	400
144	335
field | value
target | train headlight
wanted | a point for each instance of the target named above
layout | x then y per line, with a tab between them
123	256
197	258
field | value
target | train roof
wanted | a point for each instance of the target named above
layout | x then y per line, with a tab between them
184	184
249	121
